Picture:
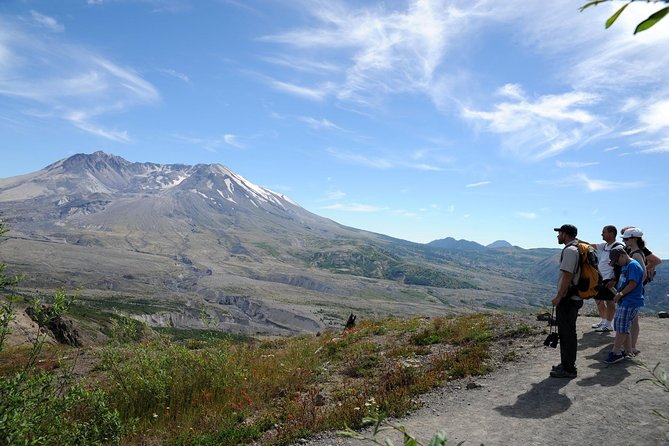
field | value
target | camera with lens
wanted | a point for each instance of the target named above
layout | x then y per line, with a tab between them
552	340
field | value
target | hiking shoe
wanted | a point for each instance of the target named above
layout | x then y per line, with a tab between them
614	357
628	355
562	373
597	325
556	367
603	328
636	352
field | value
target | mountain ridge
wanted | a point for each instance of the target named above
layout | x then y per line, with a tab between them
204	239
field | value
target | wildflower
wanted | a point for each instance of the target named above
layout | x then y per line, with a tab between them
155	415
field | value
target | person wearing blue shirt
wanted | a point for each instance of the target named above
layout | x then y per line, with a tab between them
629	298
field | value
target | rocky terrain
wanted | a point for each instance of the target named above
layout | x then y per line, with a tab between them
202	240
519	404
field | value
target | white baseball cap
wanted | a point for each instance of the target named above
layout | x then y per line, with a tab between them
633	232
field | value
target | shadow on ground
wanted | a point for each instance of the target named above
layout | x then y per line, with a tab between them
543	400
593	339
607	375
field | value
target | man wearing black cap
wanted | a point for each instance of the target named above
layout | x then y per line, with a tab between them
567	303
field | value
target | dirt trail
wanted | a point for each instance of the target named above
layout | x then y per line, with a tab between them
519	404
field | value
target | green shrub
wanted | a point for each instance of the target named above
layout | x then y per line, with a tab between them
34	409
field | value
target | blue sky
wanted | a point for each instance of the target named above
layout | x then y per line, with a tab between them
480	120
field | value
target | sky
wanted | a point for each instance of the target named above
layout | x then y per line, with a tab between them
474	119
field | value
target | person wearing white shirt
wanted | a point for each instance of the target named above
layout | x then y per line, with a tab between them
604	298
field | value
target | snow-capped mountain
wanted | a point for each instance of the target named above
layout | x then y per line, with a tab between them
204	238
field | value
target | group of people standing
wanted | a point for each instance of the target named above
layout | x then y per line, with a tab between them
625	268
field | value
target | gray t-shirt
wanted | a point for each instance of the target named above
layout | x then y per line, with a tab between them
569	263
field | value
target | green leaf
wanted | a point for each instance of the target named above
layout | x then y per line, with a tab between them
439	439
615	16
587	5
652	20
410	441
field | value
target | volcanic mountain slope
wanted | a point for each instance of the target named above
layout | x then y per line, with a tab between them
202	239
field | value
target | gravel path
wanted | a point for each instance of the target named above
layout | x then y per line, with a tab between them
519	404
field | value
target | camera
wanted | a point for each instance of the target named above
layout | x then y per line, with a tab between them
552	340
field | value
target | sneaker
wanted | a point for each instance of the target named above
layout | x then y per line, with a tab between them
597	325
614	357
628	355
636	352
604	328
556	367
562	373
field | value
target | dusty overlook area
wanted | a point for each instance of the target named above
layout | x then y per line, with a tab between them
519	404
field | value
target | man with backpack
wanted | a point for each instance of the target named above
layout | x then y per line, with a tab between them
604	298
567	302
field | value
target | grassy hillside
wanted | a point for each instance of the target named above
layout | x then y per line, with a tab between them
142	388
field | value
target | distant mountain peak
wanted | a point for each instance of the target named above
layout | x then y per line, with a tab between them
96	160
451	243
499	244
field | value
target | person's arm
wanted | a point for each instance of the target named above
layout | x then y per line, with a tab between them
626	290
563	287
593	245
652	261
639	258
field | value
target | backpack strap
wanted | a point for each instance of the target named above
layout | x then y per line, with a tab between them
578	263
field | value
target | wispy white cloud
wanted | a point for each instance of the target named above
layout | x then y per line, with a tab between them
512	91
479	184
621	69
575	164
313	94
354	207
66	81
47	22
211	144
601	185
335	195
655	146
319	124
232	140
656	115
425	167
87	126
176	74
383	163
592	185
356	158
303	64
541	128
388	50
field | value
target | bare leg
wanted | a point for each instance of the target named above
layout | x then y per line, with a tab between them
634	333
601	308
620	340
610	310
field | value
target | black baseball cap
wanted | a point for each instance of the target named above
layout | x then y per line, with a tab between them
567	229
616	252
